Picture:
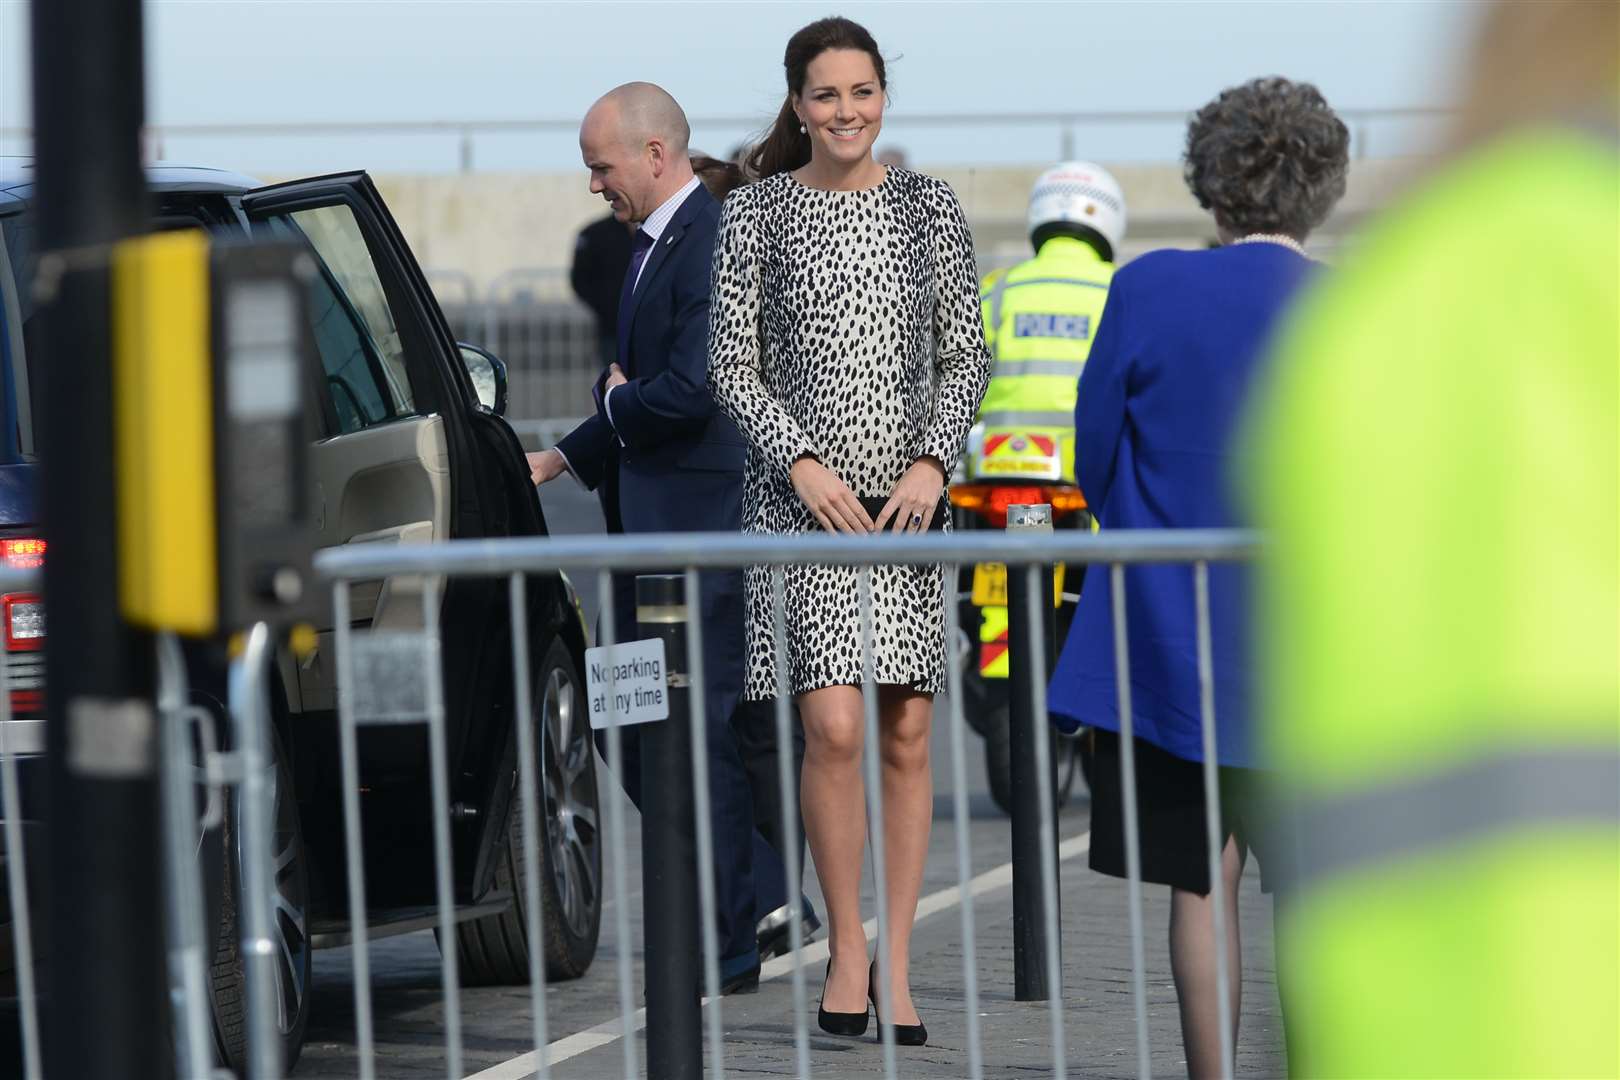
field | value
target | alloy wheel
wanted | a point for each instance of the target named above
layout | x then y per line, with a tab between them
572	832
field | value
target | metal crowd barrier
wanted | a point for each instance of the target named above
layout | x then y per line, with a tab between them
1027	553
692	553
547	339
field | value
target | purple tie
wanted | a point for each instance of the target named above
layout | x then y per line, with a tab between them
638	255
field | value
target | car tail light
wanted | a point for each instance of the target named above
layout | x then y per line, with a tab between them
25	622
23	553
991	500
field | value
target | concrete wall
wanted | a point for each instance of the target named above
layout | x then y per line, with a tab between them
475	231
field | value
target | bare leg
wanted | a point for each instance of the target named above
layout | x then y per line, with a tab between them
908	812
834	803
1192	960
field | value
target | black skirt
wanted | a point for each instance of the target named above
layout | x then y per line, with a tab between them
1171	818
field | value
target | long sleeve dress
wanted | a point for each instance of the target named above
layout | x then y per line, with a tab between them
845	325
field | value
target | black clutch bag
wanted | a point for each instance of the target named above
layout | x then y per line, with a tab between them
874	506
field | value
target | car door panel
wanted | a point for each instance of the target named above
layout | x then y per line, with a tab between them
381	485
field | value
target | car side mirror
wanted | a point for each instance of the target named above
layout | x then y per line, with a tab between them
488	374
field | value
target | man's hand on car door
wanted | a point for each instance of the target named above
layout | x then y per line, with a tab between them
545	466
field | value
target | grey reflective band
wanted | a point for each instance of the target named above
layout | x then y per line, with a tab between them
999	289
1055	418
1065	368
1415	817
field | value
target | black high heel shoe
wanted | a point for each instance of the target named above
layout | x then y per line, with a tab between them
838	1023
904	1034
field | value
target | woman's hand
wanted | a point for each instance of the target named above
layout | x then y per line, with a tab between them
915	499
828	497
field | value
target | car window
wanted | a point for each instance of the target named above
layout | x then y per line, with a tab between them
27	361
355	332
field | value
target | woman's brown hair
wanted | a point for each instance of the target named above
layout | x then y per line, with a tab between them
720	177
784	147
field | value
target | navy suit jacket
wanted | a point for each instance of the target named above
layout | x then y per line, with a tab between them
679	467
670	461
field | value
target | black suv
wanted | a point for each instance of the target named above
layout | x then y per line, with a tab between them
412	449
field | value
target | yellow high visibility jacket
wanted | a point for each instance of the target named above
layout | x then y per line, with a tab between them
1436	467
1040	318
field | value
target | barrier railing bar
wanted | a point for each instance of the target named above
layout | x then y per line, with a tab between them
788	780
22	936
1212	814
354	854
1133	849
617	836
872	756
193	1031
248	708
524	716
703	816
963	821
728	550
1036	614
443	870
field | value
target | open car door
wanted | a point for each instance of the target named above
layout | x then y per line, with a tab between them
388	391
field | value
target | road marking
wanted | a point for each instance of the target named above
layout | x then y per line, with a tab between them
524	1066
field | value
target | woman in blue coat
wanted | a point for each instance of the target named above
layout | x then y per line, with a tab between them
1159	399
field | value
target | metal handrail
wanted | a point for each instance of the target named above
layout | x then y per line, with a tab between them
734	549
570	124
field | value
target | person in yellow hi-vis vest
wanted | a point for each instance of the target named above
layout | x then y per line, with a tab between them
1041	315
1039	321
1436	467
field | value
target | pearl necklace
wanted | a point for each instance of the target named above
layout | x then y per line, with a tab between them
1272	238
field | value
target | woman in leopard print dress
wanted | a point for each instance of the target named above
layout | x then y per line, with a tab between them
845	342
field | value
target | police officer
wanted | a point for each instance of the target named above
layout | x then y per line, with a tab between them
1041	315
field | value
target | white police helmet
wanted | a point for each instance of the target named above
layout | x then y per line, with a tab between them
1081	193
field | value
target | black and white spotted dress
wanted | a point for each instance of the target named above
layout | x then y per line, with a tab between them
846	325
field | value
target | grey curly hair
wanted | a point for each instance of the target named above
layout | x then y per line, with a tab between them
1268	156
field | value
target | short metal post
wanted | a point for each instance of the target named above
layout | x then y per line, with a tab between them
251	724
669	846
1030	982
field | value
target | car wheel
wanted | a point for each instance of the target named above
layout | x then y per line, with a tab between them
289	929
494	950
998	761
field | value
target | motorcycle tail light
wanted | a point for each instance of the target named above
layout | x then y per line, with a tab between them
991	501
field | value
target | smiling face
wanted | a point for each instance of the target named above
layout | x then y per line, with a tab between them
841	105
623	170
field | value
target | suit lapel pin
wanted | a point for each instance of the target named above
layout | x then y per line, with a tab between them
669	241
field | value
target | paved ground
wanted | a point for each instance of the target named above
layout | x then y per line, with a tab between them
1099	1012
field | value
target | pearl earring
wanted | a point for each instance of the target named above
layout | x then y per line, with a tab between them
803	130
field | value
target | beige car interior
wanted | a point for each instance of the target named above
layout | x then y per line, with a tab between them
385	477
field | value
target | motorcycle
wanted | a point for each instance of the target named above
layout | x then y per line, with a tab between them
1002	468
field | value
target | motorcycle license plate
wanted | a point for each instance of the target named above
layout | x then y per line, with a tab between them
990	585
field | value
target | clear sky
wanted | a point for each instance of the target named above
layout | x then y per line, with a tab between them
234	61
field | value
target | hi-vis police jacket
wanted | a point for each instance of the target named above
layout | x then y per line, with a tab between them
1039	321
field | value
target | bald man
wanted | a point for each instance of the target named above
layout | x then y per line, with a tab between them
659	453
